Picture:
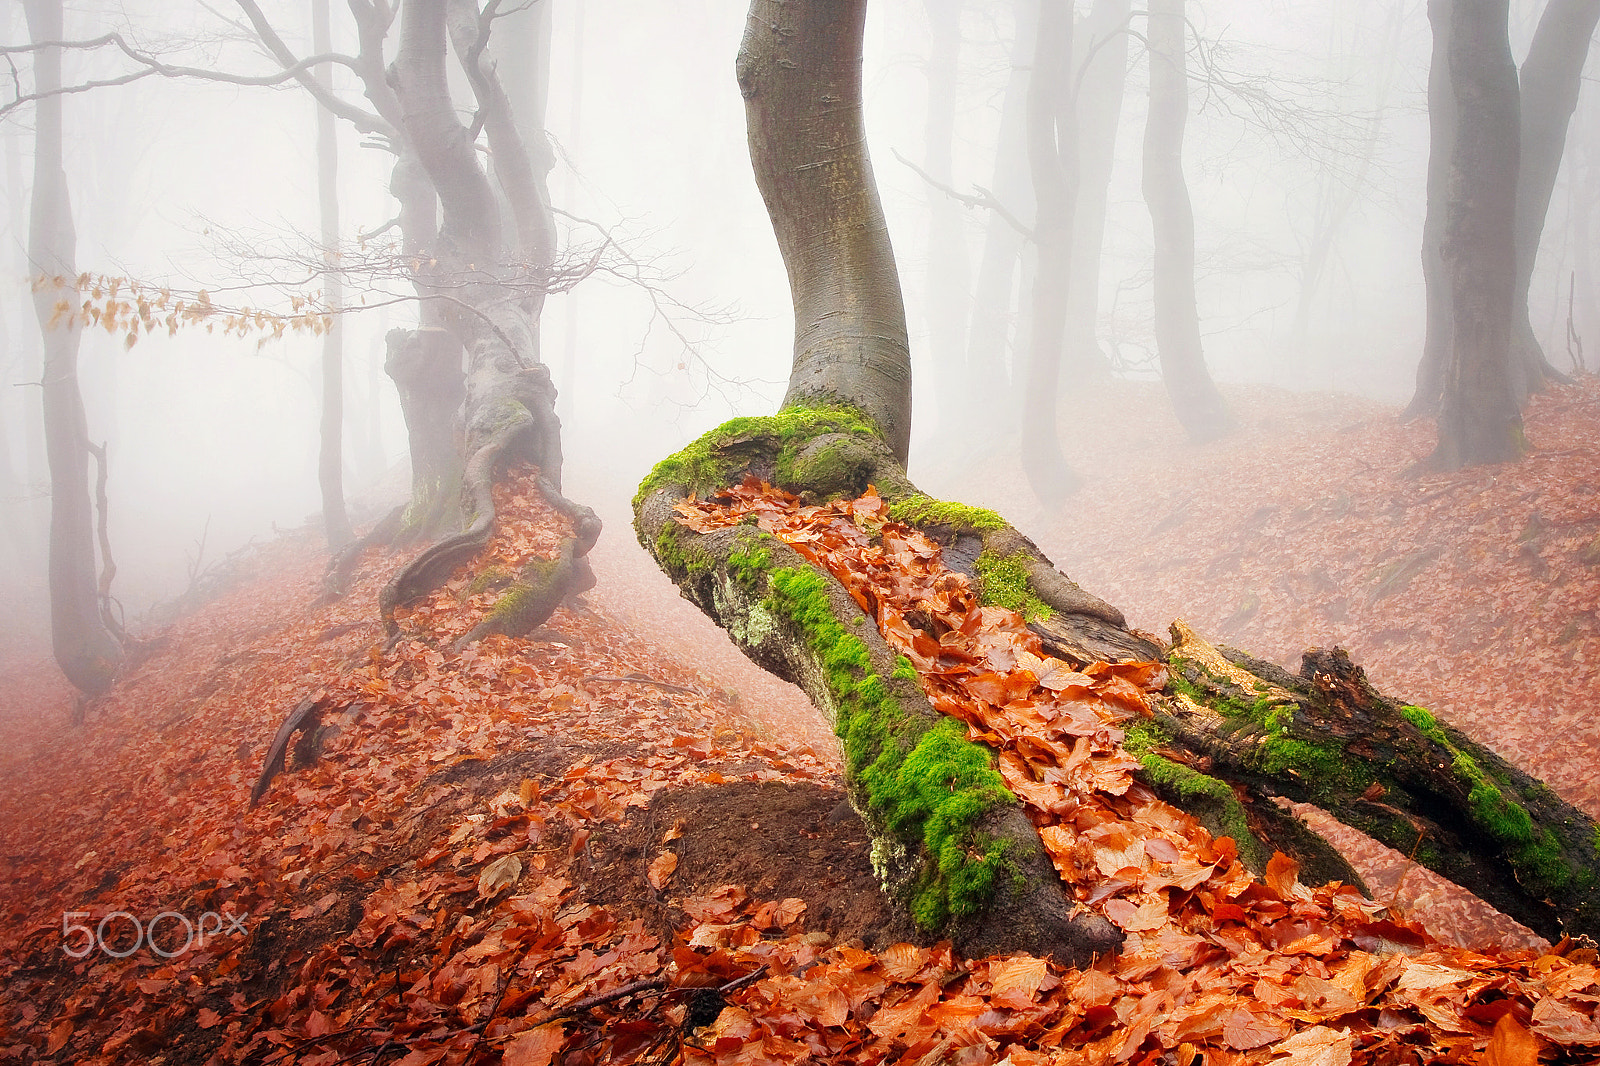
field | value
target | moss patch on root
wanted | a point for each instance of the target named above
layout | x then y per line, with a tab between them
711	461
926	782
1211	797
921	510
1002	580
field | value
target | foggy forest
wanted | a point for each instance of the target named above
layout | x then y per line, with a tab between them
711	532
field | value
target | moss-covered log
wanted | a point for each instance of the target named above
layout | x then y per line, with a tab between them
1390	769
1232	734
950	842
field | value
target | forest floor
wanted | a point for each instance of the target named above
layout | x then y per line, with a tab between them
625	794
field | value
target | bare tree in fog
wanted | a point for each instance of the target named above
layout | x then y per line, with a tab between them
330	457
960	854
1496	147
1053	164
1200	407
1100	72
81	630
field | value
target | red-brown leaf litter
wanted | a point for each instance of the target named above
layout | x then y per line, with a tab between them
575	848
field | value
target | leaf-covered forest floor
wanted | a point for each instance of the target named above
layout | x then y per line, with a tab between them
507	837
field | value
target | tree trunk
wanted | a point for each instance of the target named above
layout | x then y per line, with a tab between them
1100	59
85	648
1199	405
944	832
1479	419
947	276
799	69
330	459
508	402
1053	163
1550	79
993	328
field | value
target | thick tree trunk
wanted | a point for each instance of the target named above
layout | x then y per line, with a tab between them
799	69
1199	405
1100	57
330	459
1326	737
1479	419
507	404
994	327
85	648
947	276
1550	79
1053	163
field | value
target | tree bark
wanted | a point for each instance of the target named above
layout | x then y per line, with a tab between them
1053	163
330	458
1479	417
1100	59
1439	339
85	649
1550	78
1199	406
799	70
1326	736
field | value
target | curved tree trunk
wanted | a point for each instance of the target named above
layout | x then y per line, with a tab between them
943	831
799	69
1100	58
85	648
1550	79
1053	162
1199	405
330	458
1479	417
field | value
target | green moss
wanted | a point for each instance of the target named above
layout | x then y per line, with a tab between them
904	671
1426	724
749	566
1191	788
710	462
1003	582
492	577
921	510
927	782
1537	856
677	554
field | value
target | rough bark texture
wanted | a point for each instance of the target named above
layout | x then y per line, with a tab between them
799	69
85	649
1053	162
1200	407
1100	59
1479	418
330	457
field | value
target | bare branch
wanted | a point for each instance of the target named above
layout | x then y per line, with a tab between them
365	121
985	199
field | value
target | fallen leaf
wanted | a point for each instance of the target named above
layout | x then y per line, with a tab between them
661	869
1511	1045
499	876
